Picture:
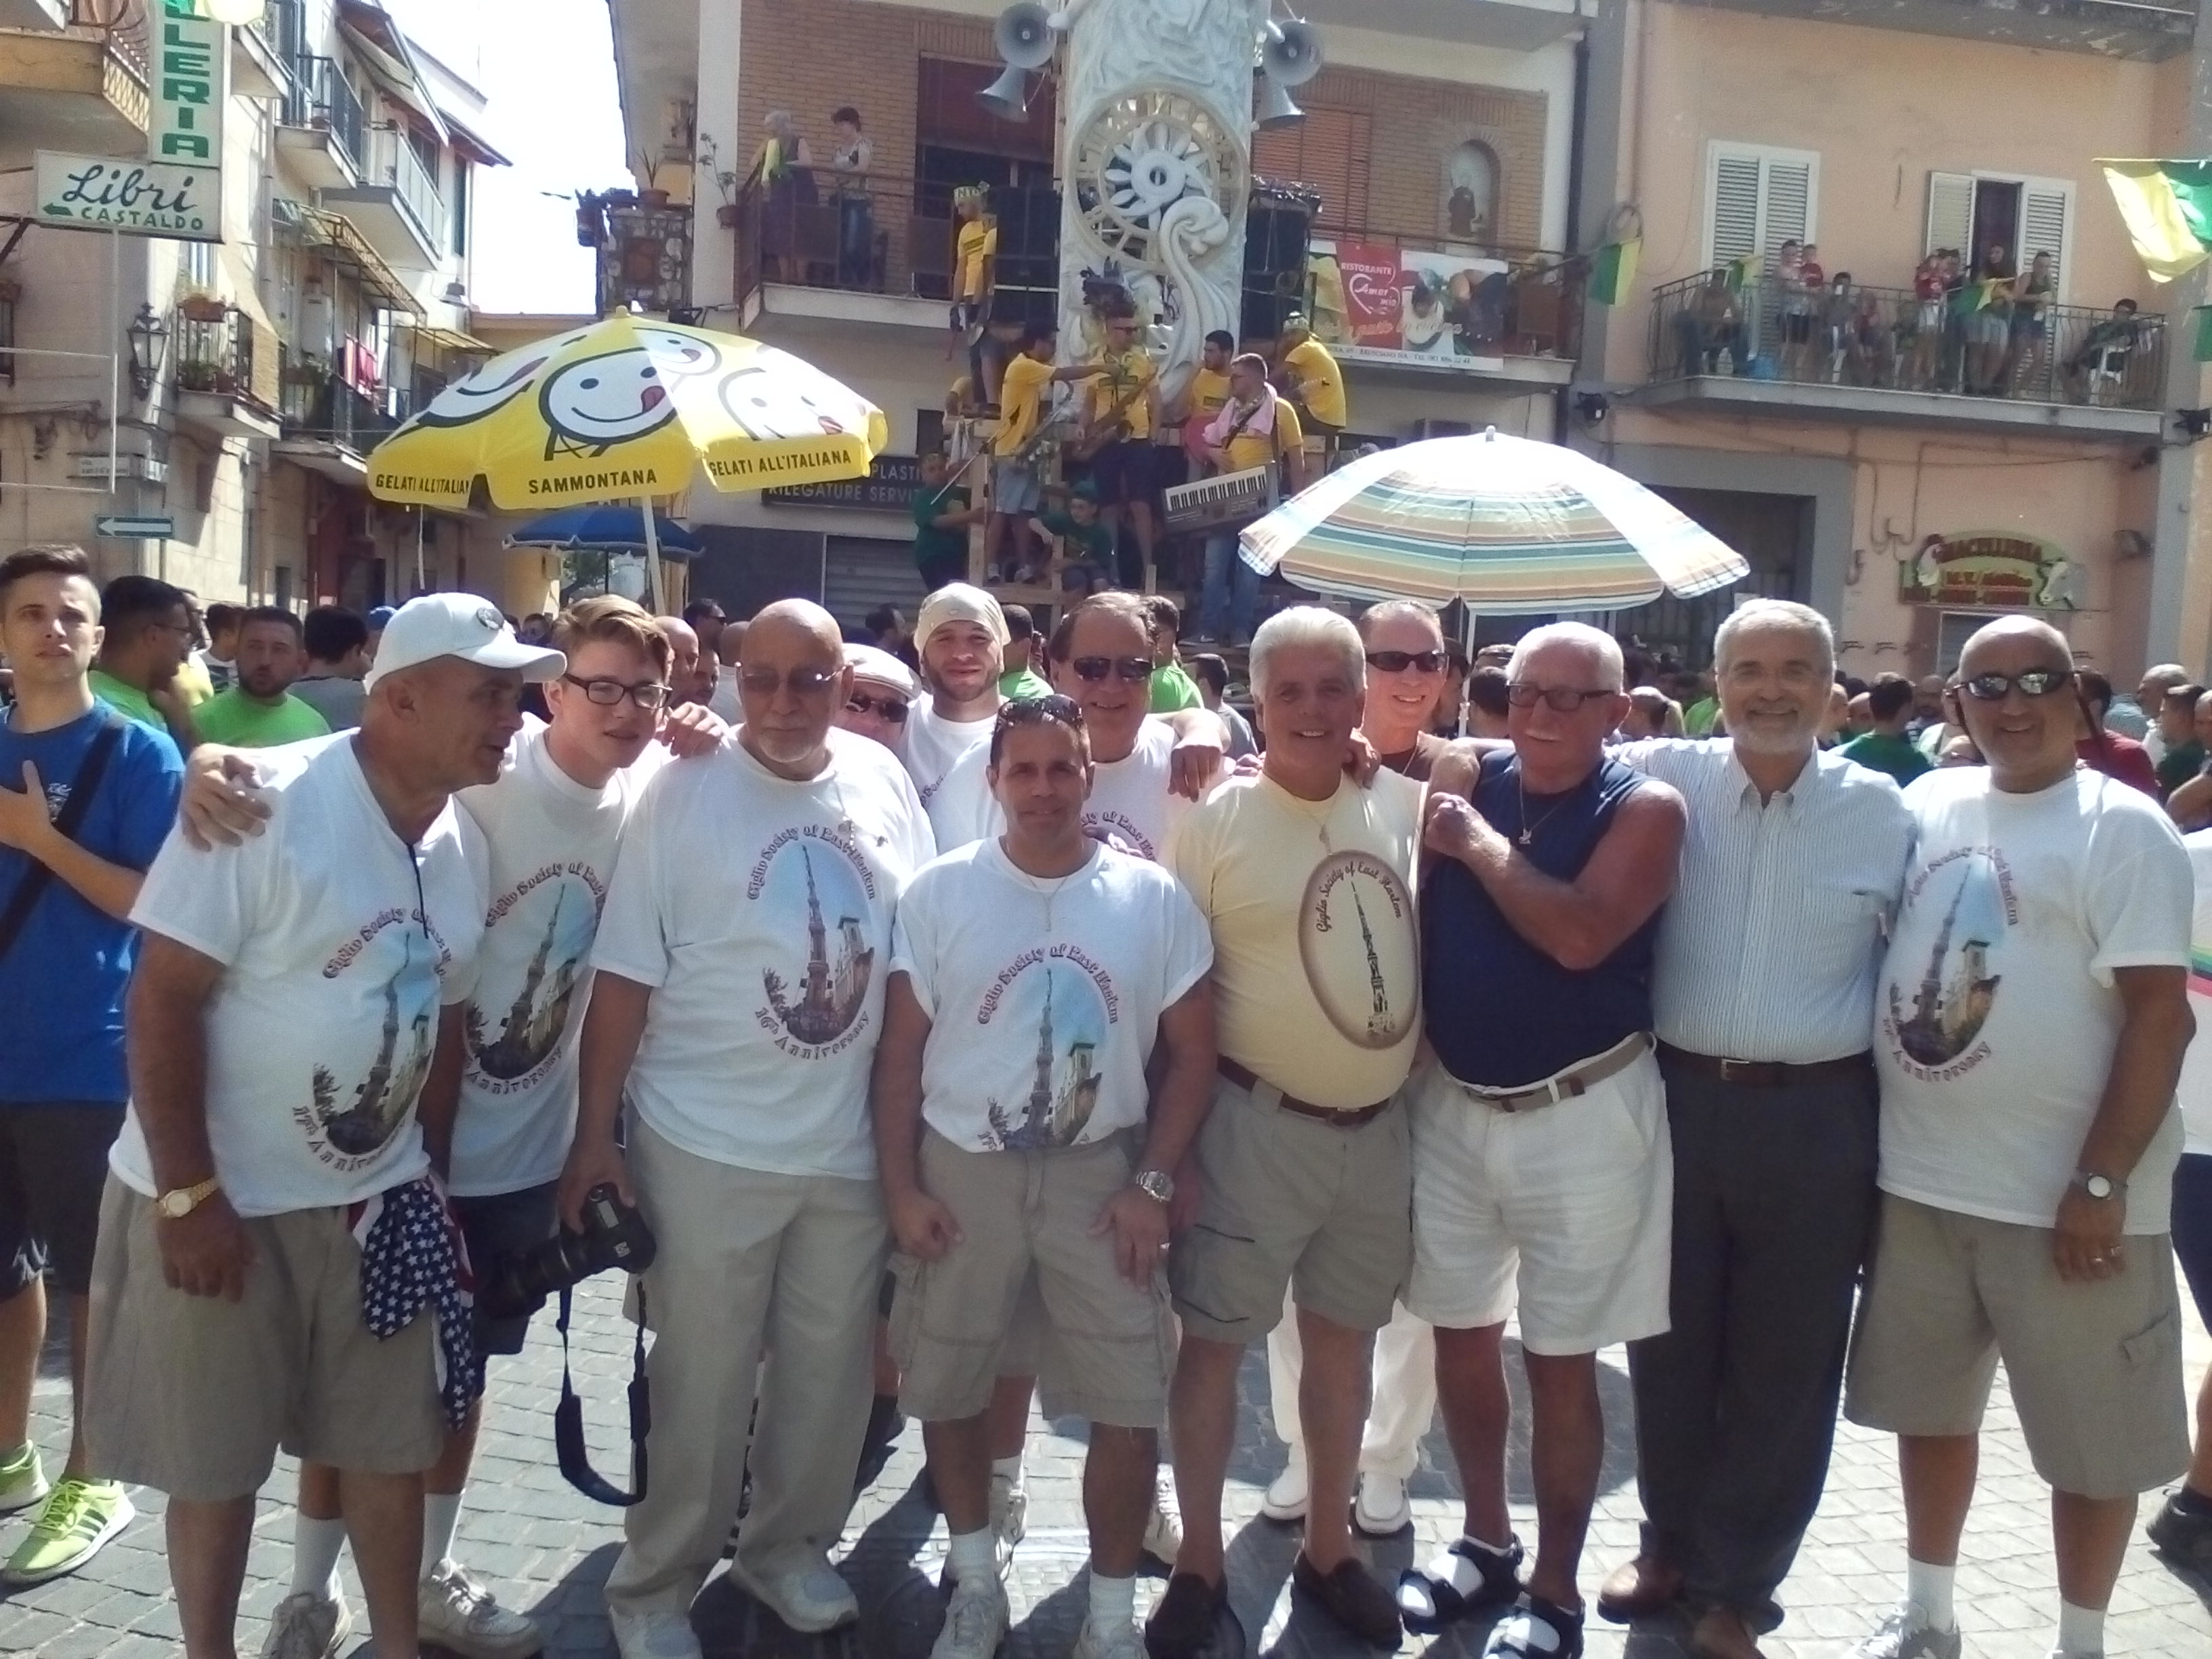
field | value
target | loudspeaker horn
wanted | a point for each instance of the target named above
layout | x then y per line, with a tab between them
1022	35
1293	57
1270	104
1008	97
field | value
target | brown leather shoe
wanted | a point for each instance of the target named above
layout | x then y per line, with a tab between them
1353	1596
1638	1589
1722	1634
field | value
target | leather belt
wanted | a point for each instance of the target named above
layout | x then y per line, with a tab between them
1766	1073
1347	1118
1568	1083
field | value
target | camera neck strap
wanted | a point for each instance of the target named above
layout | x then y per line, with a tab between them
569	1418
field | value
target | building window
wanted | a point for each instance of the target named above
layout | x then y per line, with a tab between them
947	116
2026	216
460	208
1470	193
1329	152
1757	197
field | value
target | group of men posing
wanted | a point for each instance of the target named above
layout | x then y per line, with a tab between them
1605	1039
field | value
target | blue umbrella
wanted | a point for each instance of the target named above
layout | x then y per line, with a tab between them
609	527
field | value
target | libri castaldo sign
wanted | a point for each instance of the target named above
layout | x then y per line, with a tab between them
122	193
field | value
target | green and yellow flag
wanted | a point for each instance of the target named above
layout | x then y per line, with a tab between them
2167	207
1742	272
1613	270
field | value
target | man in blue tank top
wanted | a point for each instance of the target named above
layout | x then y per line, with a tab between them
1542	1174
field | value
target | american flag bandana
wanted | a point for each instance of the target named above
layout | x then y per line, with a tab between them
412	1254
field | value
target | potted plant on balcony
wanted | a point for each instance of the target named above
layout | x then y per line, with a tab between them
306	369
197	374
198	306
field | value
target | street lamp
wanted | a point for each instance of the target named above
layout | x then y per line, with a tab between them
150	339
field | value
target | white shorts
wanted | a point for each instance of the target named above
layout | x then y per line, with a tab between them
1565	1211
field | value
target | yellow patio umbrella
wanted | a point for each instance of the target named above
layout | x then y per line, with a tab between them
626	409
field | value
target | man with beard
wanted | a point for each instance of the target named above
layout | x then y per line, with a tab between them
961	638
260	712
735	1008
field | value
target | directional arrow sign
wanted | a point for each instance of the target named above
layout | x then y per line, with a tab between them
134	528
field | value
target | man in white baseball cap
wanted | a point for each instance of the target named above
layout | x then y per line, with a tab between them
457	625
961	638
883	697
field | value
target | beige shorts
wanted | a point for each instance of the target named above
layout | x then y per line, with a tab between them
193	1395
1288	1201
1103	1347
2095	1368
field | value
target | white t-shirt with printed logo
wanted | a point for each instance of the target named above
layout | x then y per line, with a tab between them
1996	1012
1131	805
2195	1089
759	910
552	844
1044	995
339	944
934	744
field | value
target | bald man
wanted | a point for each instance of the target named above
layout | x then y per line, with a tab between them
737	1004
692	671
2029	1025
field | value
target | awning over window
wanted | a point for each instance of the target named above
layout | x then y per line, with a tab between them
338	235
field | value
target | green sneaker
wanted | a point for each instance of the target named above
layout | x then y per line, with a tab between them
80	1517
23	1482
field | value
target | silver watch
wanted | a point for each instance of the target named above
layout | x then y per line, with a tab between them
1157	1184
2099	1186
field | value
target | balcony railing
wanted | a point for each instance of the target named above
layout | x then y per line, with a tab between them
121	23
868	234
418	188
213	354
319	405
1886	337
321	98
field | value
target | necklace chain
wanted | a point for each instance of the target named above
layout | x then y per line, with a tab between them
1528	835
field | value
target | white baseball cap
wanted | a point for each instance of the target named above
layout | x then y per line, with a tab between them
869	662
458	625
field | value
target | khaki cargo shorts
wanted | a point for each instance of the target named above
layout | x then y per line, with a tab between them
2095	1368
1290	1202
1102	1347
192	1394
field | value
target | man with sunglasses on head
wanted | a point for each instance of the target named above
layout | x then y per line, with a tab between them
1038	978
1541	1170
736	1005
2030	1024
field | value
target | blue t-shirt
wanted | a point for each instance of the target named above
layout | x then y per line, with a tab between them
62	982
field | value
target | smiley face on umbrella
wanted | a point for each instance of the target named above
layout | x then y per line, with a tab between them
492	387
596	403
787	400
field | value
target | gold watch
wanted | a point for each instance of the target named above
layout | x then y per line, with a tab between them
180	1202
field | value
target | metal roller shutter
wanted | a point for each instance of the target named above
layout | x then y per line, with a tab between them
862	572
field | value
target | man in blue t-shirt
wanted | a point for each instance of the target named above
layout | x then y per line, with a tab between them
65	955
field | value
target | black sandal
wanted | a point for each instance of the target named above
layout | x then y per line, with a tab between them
1514	1637
1462	1582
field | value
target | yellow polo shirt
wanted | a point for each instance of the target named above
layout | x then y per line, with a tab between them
1127	375
1249	448
1209	390
979	242
1021	400
1320	382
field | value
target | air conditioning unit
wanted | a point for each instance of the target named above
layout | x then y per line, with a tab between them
95	463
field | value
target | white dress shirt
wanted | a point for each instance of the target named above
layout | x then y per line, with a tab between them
1770	947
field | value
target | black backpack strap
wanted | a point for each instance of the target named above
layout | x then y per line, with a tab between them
34	881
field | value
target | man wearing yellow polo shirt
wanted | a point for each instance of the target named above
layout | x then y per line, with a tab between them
975	250
1316	383
1207	391
1254	428
1123	407
1023	390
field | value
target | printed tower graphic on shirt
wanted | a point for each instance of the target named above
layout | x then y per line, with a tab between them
1378	1017
831	993
1957	989
1356	943
385	1096
532	1027
1064	1088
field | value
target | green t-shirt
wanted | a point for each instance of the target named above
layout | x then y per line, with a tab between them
1022	685
1698	719
1174	689
1093	541
931	545
238	721
2179	765
127	699
1882	752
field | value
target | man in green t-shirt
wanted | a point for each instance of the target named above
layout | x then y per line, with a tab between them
2183	721
146	633
1021	678
1885	748
1173	689
941	517
260	712
1086	535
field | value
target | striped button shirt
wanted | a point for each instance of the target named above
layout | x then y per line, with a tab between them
1770	947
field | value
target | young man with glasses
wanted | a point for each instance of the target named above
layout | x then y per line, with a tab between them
1121	406
1038	979
1254	428
146	633
2030	1023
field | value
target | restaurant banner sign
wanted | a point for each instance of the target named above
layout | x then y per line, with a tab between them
1378	303
1990	570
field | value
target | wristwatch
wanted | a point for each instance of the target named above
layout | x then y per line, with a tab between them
1156	1184
2099	1186
180	1202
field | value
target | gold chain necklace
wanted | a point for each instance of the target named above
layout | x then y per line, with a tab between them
1529	831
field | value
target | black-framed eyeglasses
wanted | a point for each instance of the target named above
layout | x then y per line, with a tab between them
2031	682
609	693
1563	699
800	682
873	703
1397	662
1095	669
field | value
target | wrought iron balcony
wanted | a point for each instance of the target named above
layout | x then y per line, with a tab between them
322	99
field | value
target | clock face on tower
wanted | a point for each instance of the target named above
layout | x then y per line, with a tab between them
1141	153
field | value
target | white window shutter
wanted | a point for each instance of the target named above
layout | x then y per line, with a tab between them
1788	205
2046	225
1732	197
1950	211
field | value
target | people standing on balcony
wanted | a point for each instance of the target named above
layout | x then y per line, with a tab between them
1710	329
850	159
1989	322
784	166
1928	289
260	711
2031	324
975	270
1839	315
2103	353
146	635
1794	297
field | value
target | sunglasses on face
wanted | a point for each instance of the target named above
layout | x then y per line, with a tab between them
2033	683
1397	662
646	693
1563	700
1095	669
800	682
866	703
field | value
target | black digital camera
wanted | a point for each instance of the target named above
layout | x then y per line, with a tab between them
614	1235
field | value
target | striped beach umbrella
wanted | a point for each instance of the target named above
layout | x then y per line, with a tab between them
1505	524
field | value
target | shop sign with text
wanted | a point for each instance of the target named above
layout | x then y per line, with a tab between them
190	66
1990	570
136	198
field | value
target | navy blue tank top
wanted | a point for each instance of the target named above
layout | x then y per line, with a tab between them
1499	1011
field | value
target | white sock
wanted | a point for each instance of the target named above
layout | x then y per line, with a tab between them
1113	1600
2081	1630
1929	1590
315	1547
1011	1467
441	1513
972	1552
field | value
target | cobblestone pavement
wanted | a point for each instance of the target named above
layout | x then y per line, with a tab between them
548	1551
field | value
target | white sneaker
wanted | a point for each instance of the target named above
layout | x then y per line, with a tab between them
456	1612
1120	1639
306	1626
654	1634
1381	1506
1010	1517
975	1620
1906	1633
1286	1499
810	1597
1164	1527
